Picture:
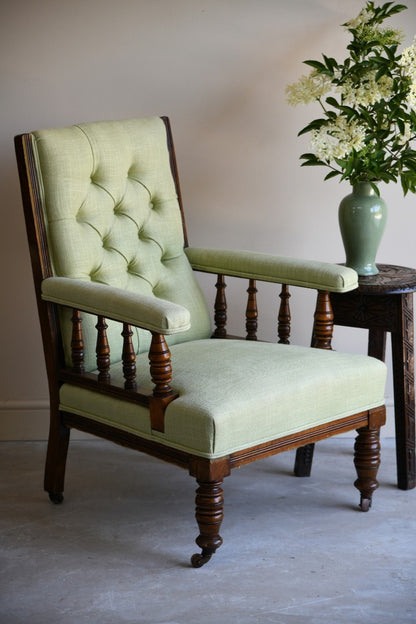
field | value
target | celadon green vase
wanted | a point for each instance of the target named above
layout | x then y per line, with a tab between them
362	219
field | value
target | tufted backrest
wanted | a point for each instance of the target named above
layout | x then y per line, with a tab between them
112	216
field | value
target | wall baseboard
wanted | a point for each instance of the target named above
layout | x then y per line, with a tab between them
29	420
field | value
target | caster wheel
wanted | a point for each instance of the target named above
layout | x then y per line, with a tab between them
198	560
365	504
56	499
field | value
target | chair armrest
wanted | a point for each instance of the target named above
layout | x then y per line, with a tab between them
270	268
151	313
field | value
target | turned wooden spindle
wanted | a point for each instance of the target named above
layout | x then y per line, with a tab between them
161	373
209	514
103	351
129	358
251	311
220	308
77	343
160	366
284	318
367	461
324	322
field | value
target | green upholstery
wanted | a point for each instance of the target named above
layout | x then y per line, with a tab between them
270	268
112	217
218	412
151	313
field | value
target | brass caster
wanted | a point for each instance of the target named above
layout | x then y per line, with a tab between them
56	499
200	559
365	504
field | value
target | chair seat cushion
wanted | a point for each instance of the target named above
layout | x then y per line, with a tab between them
274	391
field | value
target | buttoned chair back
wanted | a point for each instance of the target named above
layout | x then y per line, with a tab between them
112	216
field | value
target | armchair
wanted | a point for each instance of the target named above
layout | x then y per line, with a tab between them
129	348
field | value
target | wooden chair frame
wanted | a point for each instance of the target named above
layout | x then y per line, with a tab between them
208	473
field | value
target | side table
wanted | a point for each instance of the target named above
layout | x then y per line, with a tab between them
384	303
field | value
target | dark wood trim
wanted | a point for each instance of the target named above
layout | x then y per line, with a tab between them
311	435
40	260
174	169
210	470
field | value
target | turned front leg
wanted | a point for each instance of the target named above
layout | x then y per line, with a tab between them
367	461
209	514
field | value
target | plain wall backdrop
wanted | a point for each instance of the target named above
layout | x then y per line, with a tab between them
218	69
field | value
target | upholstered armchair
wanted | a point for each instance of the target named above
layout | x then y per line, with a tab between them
130	352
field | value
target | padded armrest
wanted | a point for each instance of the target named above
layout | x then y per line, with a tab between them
270	268
151	313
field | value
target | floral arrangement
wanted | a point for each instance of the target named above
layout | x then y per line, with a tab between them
368	104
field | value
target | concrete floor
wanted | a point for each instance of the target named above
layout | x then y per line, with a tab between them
117	550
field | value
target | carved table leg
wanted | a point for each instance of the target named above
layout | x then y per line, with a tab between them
323	329
367	461
377	343
404	394
209	514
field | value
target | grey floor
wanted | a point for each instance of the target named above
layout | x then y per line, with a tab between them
117	550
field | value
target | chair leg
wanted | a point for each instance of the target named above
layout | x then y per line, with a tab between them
367	461
56	459
209	514
303	461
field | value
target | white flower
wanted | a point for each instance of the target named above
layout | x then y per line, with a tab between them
411	96
408	61
406	136
308	88
368	92
337	139
364	16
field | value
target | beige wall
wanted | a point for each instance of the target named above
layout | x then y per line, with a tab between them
218	68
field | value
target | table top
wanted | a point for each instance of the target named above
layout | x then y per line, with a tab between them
391	279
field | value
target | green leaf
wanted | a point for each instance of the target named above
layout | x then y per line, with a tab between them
314	125
331	174
330	62
405	184
400	124
375	188
332	102
383	71
317	65
313	163
396	9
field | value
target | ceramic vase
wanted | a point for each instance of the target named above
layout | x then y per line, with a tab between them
362	219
